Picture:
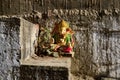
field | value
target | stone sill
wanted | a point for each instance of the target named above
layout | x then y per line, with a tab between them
47	61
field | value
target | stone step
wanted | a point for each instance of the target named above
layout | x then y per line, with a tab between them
43	73
46	68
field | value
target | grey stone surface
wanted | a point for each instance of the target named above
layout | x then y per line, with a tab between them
96	46
106	47
9	48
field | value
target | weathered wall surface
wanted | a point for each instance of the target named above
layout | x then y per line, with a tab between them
13	7
106	46
96	41
96	45
96	34
27	38
9	48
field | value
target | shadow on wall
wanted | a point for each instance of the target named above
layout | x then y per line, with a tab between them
43	73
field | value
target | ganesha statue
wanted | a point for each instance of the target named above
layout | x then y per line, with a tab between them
57	43
62	40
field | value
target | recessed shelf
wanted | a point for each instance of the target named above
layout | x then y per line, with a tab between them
48	61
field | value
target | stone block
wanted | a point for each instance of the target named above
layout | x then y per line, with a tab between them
43	73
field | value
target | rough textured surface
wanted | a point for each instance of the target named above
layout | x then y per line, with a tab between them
12	7
43	73
96	45
106	46
90	38
9	48
27	38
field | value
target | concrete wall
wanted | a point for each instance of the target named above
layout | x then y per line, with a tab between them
9	48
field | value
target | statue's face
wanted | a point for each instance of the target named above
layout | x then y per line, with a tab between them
63	31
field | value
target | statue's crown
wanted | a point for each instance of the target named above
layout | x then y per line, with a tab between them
63	24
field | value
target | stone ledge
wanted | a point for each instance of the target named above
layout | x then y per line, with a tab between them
42	68
47	61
